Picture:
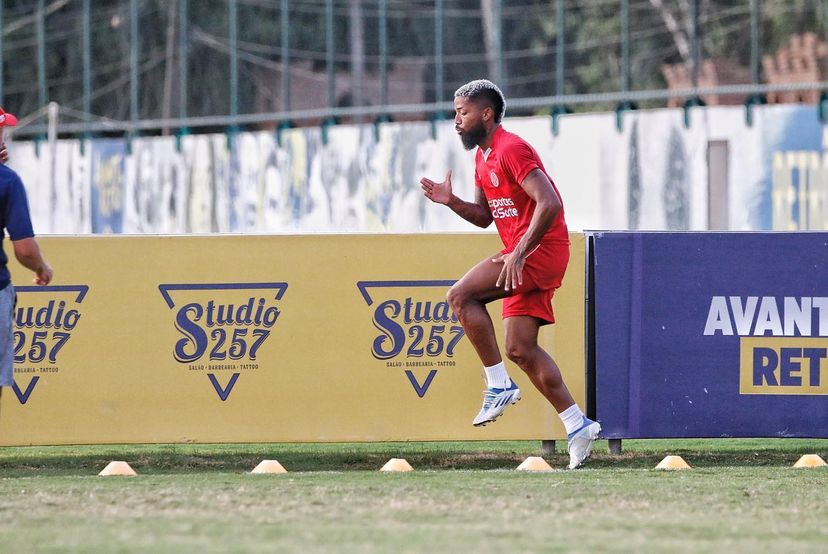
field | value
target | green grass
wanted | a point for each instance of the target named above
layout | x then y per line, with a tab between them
741	496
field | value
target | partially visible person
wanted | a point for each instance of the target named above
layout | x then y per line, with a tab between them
14	220
513	190
4	151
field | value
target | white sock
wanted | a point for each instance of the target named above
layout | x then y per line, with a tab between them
496	376
572	418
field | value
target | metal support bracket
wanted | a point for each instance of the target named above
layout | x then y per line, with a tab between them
380	119
557	111
281	128
692	102
620	109
326	124
750	102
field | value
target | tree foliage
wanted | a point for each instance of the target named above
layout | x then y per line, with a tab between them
659	34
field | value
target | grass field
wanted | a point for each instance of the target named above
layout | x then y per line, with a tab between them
741	496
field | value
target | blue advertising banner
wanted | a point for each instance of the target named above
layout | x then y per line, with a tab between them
710	334
107	206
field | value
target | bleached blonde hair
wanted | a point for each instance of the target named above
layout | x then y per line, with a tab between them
484	88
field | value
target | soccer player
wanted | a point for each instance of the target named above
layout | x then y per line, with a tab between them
513	190
14	218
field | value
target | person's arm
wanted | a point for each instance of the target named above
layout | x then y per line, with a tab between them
27	252
477	212
548	204
540	189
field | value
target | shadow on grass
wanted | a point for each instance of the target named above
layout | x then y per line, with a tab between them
239	458
158	462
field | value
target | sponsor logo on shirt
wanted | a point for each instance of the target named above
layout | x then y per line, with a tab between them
502	208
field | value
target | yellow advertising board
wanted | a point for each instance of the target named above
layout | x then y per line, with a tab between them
320	338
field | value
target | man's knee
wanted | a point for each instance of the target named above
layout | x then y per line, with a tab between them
457	299
519	352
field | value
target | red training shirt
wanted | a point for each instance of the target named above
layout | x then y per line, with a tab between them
499	173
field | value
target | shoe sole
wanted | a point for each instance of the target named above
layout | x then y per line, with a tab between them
484	423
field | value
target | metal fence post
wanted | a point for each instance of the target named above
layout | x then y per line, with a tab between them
133	67
624	105
2	80
439	12
233	38
285	16
286	81
40	24
560	64
500	76
383	67
695	55
823	97
439	85
330	43
183	67
755	53
383	51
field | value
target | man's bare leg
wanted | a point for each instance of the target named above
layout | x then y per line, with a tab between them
468	298
523	349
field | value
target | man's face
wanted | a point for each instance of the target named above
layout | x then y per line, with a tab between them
4	152
468	121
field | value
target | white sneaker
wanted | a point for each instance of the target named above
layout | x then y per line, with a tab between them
495	401
579	443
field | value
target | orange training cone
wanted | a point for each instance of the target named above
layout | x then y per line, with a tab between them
673	462
397	464
117	468
534	463
269	466
810	460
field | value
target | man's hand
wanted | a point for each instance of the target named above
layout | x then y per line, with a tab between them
511	275
4	153
437	192
43	275
27	252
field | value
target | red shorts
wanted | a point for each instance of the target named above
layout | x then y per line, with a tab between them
542	274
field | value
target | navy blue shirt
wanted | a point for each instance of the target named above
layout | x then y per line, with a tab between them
14	216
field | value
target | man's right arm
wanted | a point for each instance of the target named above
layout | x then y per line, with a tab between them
27	252
476	212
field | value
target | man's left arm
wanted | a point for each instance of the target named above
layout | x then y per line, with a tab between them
19	227
27	252
547	205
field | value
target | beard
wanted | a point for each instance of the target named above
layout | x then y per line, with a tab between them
473	136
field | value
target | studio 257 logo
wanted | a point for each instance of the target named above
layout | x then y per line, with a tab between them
417	328
223	326
44	320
